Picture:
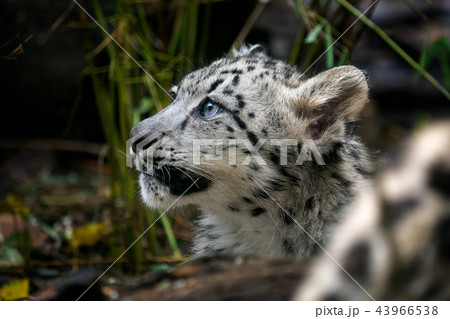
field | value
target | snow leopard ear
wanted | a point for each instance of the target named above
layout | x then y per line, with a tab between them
252	50
331	100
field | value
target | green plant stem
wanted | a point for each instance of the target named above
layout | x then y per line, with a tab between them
170	236
395	47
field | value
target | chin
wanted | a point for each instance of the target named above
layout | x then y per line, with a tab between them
154	194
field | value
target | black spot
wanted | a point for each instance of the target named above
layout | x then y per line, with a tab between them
442	238
211	237
351	128
230	129
236	71
288	71
274	156
241	102
252	115
333	157
227	92
286	216
353	154
252	137
288	247
440	179
341	180
215	84
402	207
233	208
183	124
238	120
269	64
264	131
258	211
315	249
157	159
252	61
357	261
259	193
235	80
365	173
276	185
284	172
309	204
218	251
254	166
247	200
217	122
250	68
208	227
292	155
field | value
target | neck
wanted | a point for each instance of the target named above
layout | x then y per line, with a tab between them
283	222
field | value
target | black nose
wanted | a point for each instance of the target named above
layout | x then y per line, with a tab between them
139	133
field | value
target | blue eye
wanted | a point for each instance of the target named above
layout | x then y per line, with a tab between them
209	109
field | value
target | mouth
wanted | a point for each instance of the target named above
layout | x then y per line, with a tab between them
178	180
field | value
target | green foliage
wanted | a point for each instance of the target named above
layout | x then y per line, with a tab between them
158	41
439	49
325	26
395	47
126	91
324	31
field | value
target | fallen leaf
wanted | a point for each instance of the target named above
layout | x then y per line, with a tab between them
15	290
88	235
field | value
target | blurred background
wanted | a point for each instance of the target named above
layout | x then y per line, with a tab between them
71	95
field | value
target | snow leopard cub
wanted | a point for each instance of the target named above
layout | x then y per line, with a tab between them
282	163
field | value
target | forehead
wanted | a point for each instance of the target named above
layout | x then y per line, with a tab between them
249	68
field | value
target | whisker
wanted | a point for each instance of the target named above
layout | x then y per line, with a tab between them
167	170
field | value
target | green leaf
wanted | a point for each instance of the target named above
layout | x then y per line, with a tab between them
298	11
394	46
344	57
145	105
329	46
160	267
170	236
314	33
15	290
10	257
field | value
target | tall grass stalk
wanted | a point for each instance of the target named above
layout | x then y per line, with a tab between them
124	96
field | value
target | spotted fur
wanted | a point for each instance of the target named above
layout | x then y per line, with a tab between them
396	241
249	207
